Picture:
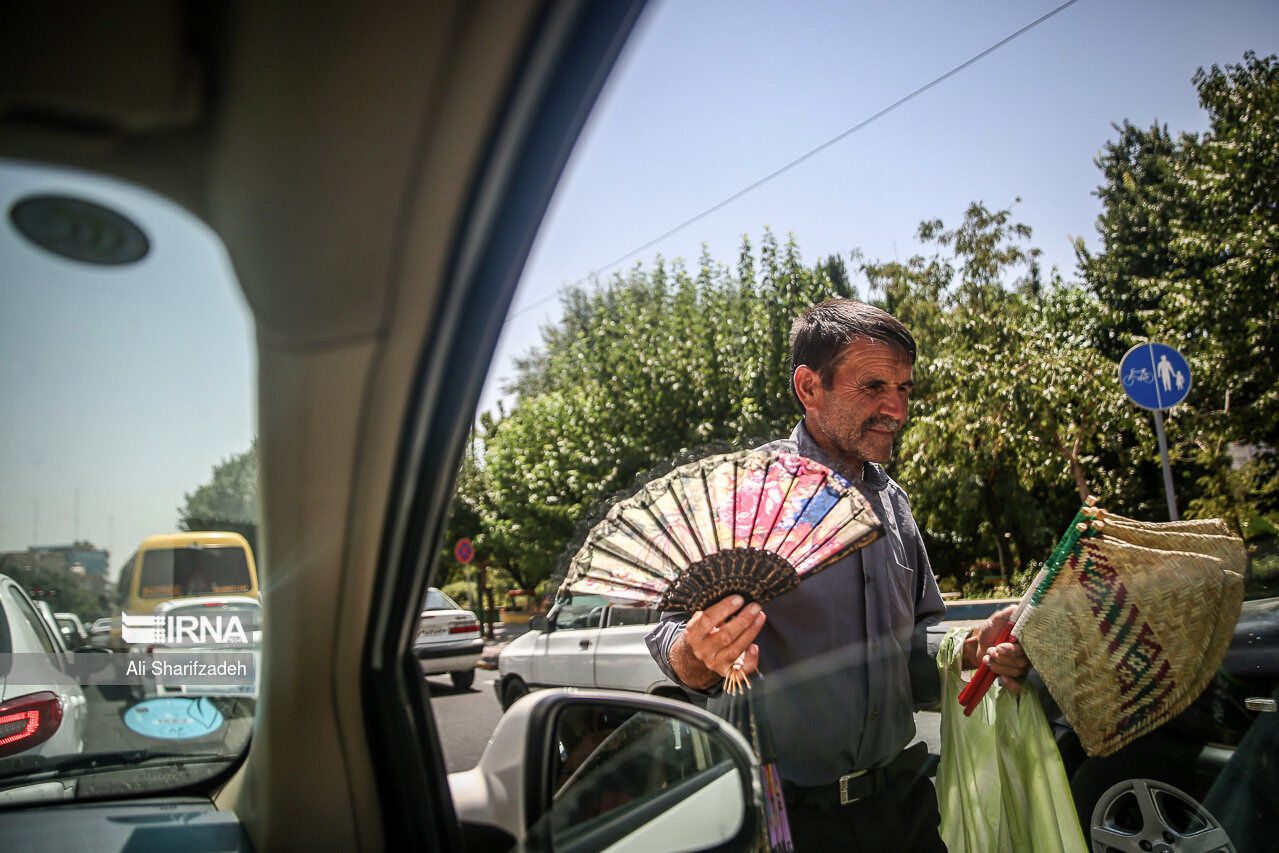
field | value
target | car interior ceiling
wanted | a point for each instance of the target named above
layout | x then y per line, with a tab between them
233	112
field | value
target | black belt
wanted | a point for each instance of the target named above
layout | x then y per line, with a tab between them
856	786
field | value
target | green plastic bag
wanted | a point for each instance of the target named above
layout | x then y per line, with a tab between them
1001	785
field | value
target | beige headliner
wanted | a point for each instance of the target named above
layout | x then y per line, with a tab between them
333	161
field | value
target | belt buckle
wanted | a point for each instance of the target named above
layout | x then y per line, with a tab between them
844	799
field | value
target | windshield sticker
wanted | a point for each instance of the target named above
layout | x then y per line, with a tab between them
174	718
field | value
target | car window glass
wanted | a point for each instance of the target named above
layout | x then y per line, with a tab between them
629	616
32	623
436	600
156	347
168	572
609	760
6	639
583	611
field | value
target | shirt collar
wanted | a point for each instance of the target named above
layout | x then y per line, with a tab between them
872	476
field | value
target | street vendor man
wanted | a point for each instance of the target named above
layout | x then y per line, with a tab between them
844	657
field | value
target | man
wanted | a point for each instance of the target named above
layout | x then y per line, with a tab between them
844	658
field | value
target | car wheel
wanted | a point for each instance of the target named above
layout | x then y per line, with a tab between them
513	690
1139	815
462	678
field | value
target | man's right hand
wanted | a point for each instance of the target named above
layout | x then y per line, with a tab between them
715	639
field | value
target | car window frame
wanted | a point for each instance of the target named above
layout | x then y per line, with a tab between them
29	613
574	46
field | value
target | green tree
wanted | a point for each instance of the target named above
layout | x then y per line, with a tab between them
228	501
655	363
965	455
1190	232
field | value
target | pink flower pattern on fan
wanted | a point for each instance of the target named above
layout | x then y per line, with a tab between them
787	500
780	503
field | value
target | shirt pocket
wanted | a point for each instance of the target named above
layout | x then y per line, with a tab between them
898	587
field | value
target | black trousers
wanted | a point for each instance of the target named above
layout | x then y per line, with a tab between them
903	818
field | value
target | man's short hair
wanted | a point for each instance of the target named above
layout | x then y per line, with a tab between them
820	335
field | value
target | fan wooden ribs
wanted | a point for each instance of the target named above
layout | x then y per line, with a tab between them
749	572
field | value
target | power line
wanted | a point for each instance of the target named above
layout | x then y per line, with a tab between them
798	160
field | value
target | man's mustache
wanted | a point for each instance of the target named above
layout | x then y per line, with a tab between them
885	423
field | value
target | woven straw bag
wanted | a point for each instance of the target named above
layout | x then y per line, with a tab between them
1135	625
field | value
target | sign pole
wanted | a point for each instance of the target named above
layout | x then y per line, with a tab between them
1156	377
1163	455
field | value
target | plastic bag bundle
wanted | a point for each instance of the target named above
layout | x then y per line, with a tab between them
1001	784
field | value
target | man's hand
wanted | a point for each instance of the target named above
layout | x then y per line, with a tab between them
1007	660
715	639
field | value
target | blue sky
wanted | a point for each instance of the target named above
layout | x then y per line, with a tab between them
713	95
709	97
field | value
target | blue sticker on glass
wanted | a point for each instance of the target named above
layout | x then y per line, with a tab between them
174	718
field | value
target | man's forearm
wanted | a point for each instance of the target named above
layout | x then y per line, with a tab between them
690	670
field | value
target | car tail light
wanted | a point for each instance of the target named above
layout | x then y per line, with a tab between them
463	629
28	721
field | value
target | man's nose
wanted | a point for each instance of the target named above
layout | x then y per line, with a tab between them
894	406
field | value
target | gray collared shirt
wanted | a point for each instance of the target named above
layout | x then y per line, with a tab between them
844	657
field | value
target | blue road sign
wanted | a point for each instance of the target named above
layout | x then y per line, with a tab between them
1155	376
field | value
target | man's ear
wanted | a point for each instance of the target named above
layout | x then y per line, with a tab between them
808	387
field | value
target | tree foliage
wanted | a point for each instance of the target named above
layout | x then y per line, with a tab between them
1190	228
228	501
654	363
1017	411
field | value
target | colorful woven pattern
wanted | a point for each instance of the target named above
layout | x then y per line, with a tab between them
1128	635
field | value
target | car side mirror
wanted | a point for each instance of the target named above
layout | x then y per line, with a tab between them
539	623
600	766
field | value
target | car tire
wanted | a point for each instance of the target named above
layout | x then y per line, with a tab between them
1147	814
462	678
513	690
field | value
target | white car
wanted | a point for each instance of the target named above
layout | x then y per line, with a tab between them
248	614
73	632
42	708
585	643
100	632
448	639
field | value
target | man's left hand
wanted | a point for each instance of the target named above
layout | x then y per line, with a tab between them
1007	660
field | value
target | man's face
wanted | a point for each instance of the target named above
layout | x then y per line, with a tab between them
860	415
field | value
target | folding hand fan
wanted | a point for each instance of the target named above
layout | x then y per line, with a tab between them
1128	622
753	522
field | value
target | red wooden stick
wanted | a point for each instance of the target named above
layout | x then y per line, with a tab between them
983	677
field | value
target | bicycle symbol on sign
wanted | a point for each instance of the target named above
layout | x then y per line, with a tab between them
1137	374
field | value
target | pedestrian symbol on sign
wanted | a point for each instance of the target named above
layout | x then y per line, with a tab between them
1157	377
